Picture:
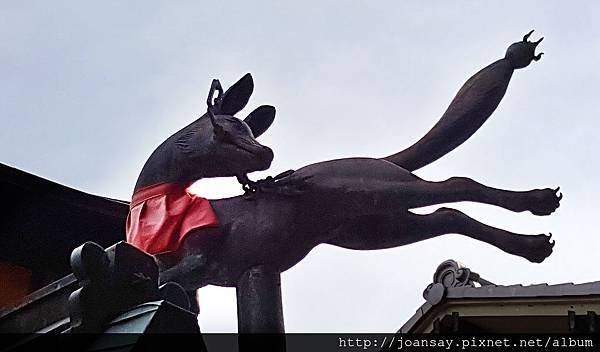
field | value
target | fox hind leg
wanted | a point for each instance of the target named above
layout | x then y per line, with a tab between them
393	230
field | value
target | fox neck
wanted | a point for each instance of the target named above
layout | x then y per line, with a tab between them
166	165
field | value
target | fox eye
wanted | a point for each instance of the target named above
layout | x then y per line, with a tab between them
219	132
224	136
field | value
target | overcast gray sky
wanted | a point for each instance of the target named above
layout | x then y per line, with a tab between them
88	90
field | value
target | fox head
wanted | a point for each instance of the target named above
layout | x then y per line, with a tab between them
218	144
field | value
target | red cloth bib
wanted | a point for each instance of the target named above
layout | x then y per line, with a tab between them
160	216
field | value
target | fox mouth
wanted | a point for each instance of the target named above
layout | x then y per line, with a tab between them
244	149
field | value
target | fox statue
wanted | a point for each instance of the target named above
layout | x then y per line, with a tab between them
357	203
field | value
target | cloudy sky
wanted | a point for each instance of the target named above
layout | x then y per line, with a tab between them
88	91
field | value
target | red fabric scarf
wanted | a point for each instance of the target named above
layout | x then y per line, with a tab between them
160	216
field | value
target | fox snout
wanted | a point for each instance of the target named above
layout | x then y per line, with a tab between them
262	156
251	155
266	157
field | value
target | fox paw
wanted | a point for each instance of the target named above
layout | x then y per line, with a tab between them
538	248
544	201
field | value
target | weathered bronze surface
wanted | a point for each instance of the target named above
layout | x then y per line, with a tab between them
356	203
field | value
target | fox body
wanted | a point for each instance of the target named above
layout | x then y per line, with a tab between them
356	203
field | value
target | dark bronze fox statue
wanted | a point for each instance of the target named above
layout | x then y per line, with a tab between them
356	203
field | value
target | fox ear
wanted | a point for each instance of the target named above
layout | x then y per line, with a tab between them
260	119
237	96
